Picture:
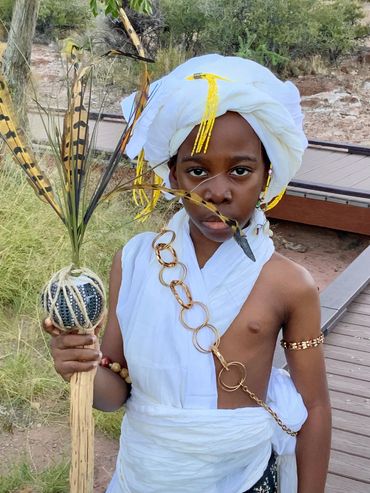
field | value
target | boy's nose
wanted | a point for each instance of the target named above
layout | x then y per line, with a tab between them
217	190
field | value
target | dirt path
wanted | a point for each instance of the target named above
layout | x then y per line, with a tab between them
43	446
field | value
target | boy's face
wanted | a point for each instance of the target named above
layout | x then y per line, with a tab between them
231	175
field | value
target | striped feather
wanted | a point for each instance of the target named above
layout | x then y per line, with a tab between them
15	142
194	198
75	136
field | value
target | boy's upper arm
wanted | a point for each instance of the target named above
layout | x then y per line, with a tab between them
112	343
306	366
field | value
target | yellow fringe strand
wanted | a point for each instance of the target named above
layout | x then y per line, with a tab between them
275	201
209	115
145	198
137	195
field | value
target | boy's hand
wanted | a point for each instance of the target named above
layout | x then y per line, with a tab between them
72	352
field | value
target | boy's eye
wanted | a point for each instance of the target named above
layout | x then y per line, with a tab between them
240	171
198	172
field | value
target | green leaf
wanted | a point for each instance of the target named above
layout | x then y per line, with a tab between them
112	6
94	7
142	6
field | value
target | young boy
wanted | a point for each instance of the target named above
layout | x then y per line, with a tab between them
195	319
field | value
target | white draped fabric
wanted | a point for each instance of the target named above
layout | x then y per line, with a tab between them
174	439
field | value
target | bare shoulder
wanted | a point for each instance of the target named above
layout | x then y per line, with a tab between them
291	276
294	283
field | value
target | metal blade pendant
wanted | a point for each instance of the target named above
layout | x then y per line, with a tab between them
243	243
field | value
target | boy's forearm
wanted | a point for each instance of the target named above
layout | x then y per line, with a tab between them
313	450
110	390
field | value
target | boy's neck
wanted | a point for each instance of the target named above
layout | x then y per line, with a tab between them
204	248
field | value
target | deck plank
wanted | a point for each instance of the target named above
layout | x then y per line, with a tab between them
351	370
354	423
349	386
315	158
346	341
350	466
360	308
344	354
347	357
352	330
363	298
321	173
355	172
356	318
344	441
330	166
340	484
350	403
352	168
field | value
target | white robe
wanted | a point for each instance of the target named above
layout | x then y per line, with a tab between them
174	439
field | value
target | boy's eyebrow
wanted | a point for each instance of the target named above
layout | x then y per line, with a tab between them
244	157
202	159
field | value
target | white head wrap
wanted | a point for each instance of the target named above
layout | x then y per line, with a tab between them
177	105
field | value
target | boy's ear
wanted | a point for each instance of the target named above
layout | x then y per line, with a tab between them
173	176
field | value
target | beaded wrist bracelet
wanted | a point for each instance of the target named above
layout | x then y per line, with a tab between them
295	346
116	368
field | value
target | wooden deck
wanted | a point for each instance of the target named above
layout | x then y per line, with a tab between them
336	167
345	318
347	354
331	189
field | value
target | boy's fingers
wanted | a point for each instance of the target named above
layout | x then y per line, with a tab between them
67	368
78	355
48	326
70	341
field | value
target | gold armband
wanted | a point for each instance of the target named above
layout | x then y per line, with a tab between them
295	346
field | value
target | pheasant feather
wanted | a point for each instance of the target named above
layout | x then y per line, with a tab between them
75	136
15	142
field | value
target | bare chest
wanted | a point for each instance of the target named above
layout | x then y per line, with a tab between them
250	340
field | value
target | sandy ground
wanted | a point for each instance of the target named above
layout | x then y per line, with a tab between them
337	108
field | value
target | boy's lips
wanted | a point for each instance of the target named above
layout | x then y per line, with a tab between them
215	224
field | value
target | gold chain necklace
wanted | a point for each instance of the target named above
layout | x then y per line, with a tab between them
186	302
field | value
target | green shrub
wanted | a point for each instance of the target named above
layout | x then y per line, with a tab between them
58	16
272	32
186	22
6	7
54	15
